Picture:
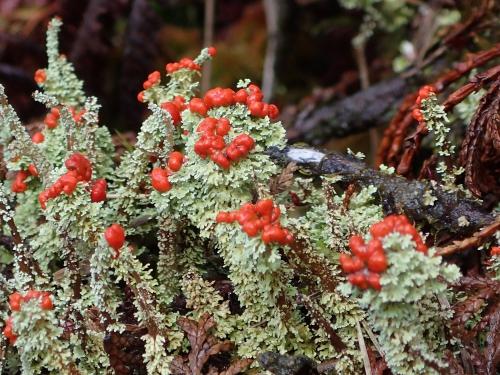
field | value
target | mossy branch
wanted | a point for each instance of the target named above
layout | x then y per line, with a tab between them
397	194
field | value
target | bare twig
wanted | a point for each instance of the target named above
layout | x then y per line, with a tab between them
477	239
359	44
208	36
335	340
474	84
373	338
272	10
362	348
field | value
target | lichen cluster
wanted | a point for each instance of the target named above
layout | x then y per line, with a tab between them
285	297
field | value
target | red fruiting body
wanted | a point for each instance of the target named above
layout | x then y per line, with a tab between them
32	170
80	165
262	217
212	144
346	263
115	236
373	280
40	76
245	141
218	97
159	180
423	93
46	303
37	137
77	116
377	262
241	96
264	207
223	127
154	77
256	109
221	160
225	217
18	185
99	190
495	251
380	229
212	51
223	97
79	170
15	300
417	115
358	279
184	63
69	182
42	199
174	109
52	118
274	112
175	161
8	331
369	260
140	97
197	105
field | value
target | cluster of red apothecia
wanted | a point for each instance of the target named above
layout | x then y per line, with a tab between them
115	237
184	63
159	176
40	76
52	118
37	138
15	301
223	97
187	63
79	169
262	217
495	251
19	186
175	107
212	143
98	191
369	260
154	78
423	93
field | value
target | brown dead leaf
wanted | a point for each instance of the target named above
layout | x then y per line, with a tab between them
480	152
203	345
284	180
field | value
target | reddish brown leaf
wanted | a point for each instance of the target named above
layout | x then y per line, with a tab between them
480	152
203	345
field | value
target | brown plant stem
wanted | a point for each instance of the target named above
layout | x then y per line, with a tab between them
208	37
335	340
477	239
